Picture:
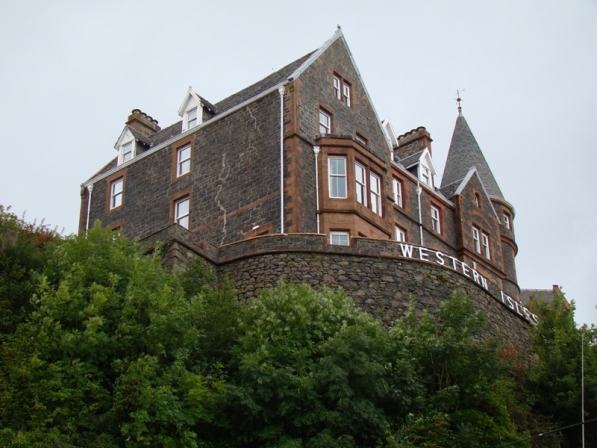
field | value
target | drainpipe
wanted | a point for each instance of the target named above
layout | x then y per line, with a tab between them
316	151
419	190
281	92
89	189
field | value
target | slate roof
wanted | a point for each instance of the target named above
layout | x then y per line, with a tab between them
464	153
166	133
140	137
545	295
260	86
411	160
233	100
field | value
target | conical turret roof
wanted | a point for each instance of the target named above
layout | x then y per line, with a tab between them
465	153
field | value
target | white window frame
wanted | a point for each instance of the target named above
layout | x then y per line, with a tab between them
397	187
325	122
123	151
426	175
192	121
400	234
485	242
476	240
337	84
116	193
375	189
507	220
183	165
435	220
181	217
346	93
339	238
336	178
360	174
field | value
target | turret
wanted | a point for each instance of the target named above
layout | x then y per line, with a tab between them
463	155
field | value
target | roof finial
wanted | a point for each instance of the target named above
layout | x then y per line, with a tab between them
458	100
339	27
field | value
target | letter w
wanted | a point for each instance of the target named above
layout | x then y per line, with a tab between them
407	250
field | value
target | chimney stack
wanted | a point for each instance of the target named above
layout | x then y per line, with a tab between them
413	142
142	123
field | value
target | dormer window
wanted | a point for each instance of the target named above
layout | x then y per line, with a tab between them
192	110
192	118
420	165
127	152
128	145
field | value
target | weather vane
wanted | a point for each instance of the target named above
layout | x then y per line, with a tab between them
458	100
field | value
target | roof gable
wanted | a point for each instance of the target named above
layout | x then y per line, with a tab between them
465	182
129	134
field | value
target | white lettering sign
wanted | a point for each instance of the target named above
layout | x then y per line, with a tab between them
426	254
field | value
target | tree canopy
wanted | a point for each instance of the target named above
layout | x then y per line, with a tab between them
103	347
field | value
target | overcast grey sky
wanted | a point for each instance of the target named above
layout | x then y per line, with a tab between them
71	72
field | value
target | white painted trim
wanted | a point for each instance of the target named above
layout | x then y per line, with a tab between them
340	233
391	135
190	102
126	137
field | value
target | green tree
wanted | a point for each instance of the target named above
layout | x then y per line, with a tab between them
22	254
108	354
555	377
466	383
315	371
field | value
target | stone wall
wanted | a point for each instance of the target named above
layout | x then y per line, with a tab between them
373	272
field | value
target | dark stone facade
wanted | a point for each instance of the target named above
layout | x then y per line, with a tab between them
233	188
233	184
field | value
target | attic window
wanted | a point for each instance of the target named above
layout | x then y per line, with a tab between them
337	92
127	152
342	89
192	118
476	200
191	110
346	93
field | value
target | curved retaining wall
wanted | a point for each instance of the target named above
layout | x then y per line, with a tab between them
375	273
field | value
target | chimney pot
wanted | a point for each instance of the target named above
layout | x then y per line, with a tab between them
142	123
